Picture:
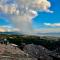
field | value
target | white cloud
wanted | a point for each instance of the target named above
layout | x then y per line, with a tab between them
52	24
8	28
23	11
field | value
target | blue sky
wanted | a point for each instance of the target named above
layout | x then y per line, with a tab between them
44	17
43	20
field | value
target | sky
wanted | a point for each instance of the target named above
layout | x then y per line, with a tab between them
44	17
43	22
48	21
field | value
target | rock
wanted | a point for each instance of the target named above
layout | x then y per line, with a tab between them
37	51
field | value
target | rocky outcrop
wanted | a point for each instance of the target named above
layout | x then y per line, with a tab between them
38	52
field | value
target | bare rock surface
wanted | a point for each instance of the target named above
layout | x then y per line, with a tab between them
10	52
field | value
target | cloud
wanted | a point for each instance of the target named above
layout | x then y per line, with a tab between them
8	28
23	11
36	4
23	5
52	24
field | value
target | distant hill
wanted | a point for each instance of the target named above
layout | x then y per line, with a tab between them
56	34
11	33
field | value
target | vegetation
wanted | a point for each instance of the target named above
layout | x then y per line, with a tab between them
46	41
